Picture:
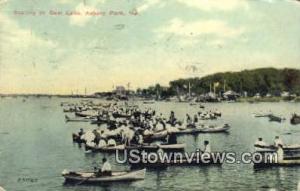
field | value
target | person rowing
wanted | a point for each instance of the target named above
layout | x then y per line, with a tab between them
196	119
97	136
188	120
81	132
260	144
277	141
172	119
105	169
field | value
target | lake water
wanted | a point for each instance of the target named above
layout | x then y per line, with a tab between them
36	145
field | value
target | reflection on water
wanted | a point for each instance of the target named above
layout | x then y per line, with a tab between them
35	142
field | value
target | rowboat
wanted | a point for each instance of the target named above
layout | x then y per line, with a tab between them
86	119
286	161
262	114
220	129
161	135
275	118
295	119
208	129
86	114
99	121
187	131
106	149
272	148
154	147
91	178
118	115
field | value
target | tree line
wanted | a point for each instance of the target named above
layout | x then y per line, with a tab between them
263	81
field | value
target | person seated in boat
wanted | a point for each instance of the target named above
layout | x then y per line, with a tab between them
148	131
172	118
97	136
195	119
81	132
105	169
102	143
260	144
188	119
207	148
280	153
141	139
277	141
172	139
111	142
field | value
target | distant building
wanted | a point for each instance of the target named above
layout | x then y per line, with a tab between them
268	95
285	94
257	95
231	95
120	91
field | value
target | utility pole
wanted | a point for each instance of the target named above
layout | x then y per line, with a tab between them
189	89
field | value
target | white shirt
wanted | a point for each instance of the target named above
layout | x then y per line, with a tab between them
102	143
106	167
280	154
278	142
111	142
261	143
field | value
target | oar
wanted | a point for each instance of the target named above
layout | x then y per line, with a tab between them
83	181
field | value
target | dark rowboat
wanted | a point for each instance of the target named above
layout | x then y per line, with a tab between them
295	119
276	118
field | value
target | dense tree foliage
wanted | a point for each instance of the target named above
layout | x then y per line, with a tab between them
263	81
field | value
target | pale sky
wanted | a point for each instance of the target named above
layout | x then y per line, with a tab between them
167	40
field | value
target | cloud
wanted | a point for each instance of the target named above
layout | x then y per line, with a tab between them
83	7
150	3
81	20
199	28
15	36
212	5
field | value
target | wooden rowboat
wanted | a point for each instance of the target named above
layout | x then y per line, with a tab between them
104	149
165	147
272	148
220	129
161	135
91	178
286	161
86	119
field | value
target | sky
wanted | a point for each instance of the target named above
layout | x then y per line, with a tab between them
141	42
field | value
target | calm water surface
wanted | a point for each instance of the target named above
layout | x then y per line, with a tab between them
35	143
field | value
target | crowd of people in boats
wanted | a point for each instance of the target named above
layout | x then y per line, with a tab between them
122	127
127	125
